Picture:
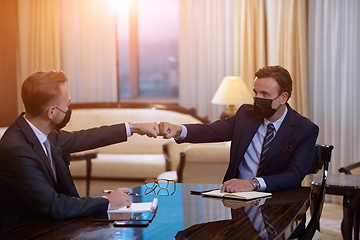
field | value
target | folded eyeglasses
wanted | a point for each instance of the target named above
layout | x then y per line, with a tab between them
161	187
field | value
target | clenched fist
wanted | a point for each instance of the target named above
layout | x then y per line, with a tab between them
148	129
169	130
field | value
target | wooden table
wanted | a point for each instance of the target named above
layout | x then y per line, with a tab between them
349	187
183	216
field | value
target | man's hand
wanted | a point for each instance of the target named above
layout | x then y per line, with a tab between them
148	129
119	198
169	130
237	185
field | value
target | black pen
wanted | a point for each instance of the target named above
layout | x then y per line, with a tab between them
129	193
199	192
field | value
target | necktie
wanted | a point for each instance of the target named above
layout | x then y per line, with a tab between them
269	136
48	151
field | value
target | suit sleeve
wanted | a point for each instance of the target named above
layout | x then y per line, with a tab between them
82	140
218	131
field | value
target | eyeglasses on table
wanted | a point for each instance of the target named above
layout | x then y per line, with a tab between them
160	187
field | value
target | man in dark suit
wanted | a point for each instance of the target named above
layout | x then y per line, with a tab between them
35	180
256	164
290	153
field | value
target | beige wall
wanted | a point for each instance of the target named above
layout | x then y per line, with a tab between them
8	78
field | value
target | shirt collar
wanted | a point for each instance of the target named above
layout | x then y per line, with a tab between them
278	122
41	136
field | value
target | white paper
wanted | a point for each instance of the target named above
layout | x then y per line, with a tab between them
137	207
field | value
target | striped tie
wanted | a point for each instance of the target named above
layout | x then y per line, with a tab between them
48	151
269	136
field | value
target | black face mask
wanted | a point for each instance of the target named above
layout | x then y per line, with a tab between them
66	119
262	107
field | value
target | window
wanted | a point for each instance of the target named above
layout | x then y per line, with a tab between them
147	33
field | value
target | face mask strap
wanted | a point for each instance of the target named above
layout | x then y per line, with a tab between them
277	96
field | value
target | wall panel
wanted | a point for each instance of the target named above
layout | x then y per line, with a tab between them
8	78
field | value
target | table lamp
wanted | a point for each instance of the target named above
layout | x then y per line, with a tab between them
232	91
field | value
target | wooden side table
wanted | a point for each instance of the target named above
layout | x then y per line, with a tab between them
87	156
347	186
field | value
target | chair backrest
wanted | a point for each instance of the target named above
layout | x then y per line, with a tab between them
321	161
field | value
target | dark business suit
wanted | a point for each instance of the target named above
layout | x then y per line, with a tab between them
290	155
27	185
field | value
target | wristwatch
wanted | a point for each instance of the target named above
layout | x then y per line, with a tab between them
255	183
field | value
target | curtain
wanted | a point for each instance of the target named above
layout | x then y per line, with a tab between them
250	39
334	58
287	45
39	39
88	41
217	40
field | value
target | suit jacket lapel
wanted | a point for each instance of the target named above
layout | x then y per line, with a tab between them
34	141
286	128
244	139
64	180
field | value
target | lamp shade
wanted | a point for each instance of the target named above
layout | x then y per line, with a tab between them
232	91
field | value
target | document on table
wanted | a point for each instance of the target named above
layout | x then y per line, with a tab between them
138	207
238	195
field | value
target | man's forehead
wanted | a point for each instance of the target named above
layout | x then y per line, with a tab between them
266	84
266	81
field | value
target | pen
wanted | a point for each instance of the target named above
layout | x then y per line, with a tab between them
199	192
129	193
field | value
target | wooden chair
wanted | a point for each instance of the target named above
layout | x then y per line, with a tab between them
87	156
321	161
353	168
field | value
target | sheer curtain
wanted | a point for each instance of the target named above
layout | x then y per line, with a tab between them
287	45
249	39
88	41
218	38
334	60
78	37
39	39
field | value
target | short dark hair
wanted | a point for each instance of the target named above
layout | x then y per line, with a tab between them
39	89
280	74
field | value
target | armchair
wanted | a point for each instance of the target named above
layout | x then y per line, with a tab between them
203	164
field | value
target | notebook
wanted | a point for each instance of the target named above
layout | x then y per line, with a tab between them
238	195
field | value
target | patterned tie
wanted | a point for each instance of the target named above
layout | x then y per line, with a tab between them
48	151
269	136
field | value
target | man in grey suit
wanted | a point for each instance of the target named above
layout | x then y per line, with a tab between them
35	180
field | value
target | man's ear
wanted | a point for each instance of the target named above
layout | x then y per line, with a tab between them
284	97
50	111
